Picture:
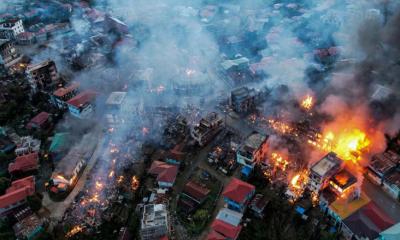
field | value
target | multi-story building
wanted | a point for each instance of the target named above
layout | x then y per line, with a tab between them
243	100
237	194
382	165
154	222
253	150
27	145
114	105
9	55
42	76
62	95
82	105
207	128
11	28
323	170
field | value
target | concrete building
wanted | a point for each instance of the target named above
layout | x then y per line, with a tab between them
114	105
42	76
323	170
391	184
252	150
11	28
82	105
154	222
207	128
27	145
62	95
237	194
243	100
9	55
382	165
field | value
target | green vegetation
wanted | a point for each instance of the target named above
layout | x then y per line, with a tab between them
4	184
6	232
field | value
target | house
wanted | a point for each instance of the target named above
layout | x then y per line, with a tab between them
253	150
27	145
62	95
82	105
24	163
235	64
26	38
192	196
207	128
114	104
42	76
40	121
237	194
323	170
10	29
9	54
155	222
382	165
366	223
243	100
226	230
29	227
165	173
16	194
258	205
59	145
343	182
229	216
392	233
391	184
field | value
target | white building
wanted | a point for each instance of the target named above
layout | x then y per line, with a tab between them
154	222
323	170
252	150
207	128
11	28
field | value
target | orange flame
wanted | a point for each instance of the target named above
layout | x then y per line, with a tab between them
74	231
307	103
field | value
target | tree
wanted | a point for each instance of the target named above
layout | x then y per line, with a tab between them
200	215
4	184
6	232
34	202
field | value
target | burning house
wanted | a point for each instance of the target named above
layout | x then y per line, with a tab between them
69	168
207	128
42	76
323	170
154	222
82	105
243	100
62	95
9	29
9	54
253	150
343	182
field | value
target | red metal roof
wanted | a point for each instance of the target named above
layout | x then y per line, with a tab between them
237	190
24	163
165	172
82	98
38	120
18	191
62	91
226	229
196	191
213	235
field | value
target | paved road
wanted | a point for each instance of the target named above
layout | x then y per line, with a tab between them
57	209
382	199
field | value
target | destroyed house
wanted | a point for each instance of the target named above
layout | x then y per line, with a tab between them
207	128
154	222
62	95
252	150
29	227
82	105
381	165
323	170
114	104
16	194
237	194
24	163
9	55
42	76
243	100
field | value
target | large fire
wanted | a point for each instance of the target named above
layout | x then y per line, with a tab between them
279	161
349	144
280	127
75	230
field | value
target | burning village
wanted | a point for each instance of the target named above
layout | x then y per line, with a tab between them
203	119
